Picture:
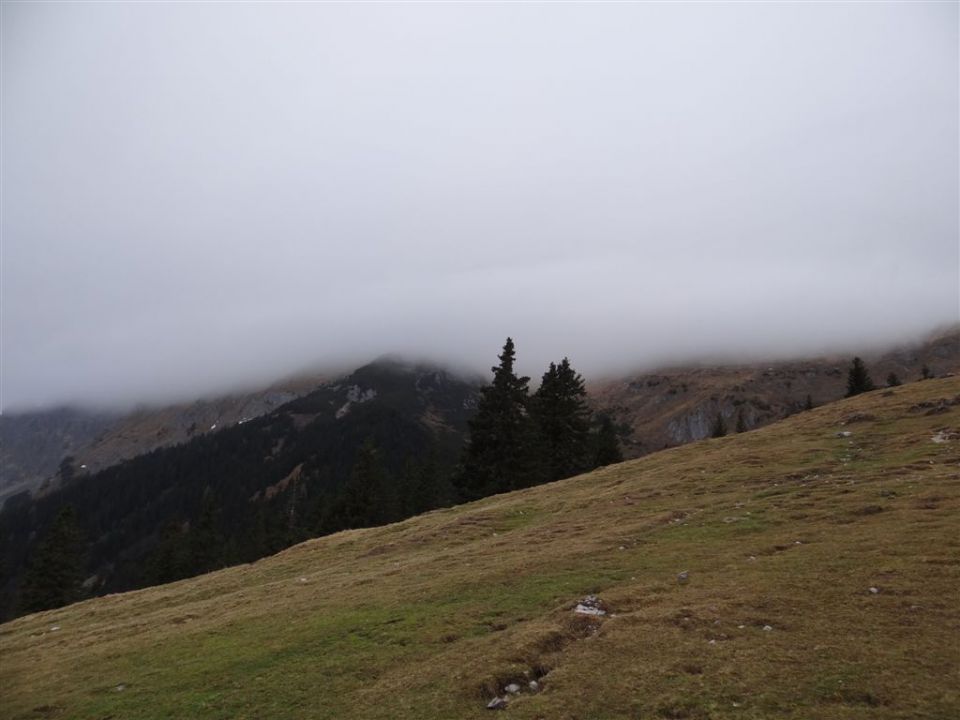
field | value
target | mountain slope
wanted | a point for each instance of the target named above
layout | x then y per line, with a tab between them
32	444
822	583
676	405
254	488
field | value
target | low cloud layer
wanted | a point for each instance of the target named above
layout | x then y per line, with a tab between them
202	196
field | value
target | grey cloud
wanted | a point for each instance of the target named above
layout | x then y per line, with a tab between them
202	195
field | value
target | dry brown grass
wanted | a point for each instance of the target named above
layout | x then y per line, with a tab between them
788	527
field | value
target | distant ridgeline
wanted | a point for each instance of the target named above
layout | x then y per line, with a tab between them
387	442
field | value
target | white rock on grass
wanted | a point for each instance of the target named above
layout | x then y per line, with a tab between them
497	703
590	605
512	688
767	628
534	686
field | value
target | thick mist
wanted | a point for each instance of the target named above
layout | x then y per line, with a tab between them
198	196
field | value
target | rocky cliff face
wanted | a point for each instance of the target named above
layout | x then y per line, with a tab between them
677	405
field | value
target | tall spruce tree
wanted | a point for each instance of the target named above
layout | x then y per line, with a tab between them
206	542
55	572
719	426
369	497
562	419
858	379
606	444
741	423
500	452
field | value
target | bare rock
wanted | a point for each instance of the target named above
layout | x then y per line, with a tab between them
590	605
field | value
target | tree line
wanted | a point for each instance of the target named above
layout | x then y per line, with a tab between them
381	467
217	500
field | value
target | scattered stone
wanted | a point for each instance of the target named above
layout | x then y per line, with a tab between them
623	547
797	542
712	642
512	688
54	628
120	688
497	703
590	605
534	686
752	557
303	579
844	433
874	590
683	577
767	628
741	627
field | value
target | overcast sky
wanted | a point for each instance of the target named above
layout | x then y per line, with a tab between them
202	195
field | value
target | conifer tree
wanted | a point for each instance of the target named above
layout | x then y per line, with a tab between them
55	572
562	419
925	373
741	423
858	379
427	487
499	455
808	405
169	559
369	497
719	426
205	540
606	444
893	380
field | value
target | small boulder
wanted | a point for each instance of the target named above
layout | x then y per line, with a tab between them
683	577
498	703
534	686
512	688
767	628
590	605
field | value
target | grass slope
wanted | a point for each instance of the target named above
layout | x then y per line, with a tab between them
787	527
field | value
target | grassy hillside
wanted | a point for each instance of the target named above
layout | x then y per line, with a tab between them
784	531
